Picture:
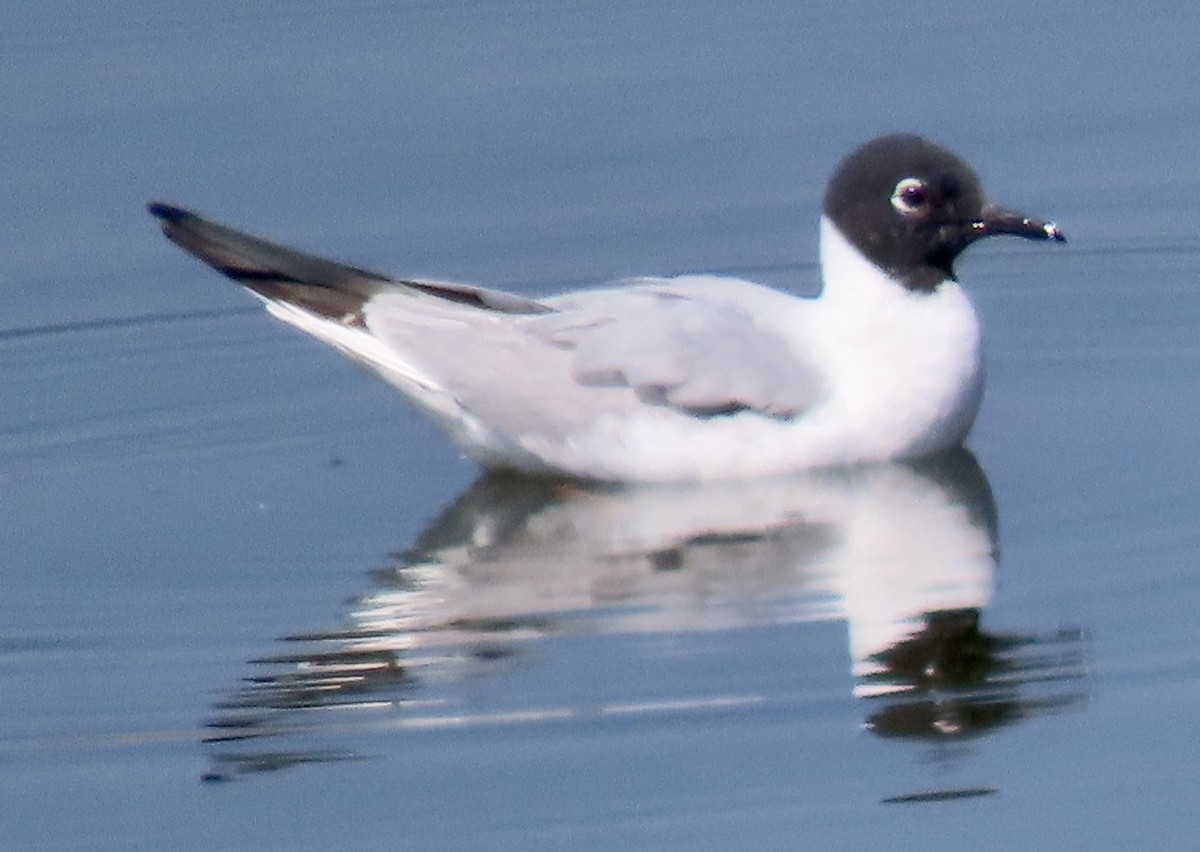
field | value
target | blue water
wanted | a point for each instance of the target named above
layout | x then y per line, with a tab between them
252	600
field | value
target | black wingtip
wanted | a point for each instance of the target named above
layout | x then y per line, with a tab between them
167	212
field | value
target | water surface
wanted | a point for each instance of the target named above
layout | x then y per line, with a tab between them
252	600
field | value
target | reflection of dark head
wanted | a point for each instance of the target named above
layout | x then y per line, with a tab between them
951	680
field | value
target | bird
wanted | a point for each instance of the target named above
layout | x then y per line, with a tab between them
684	378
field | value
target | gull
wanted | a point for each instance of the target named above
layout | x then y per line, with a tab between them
694	377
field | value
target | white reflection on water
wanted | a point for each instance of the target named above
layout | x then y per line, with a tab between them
905	554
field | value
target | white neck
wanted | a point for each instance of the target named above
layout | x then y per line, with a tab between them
906	363
848	273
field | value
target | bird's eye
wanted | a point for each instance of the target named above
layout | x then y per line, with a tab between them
909	196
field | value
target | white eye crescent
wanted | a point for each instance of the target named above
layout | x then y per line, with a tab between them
909	196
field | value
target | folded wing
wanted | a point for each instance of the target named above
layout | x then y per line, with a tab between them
699	349
506	373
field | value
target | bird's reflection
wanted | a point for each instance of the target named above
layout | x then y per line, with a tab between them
905	554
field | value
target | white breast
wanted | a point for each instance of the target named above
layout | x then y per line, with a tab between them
904	368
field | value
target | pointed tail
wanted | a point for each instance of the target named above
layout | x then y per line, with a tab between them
273	271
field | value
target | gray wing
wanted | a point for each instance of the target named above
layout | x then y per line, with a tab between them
703	346
705	353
